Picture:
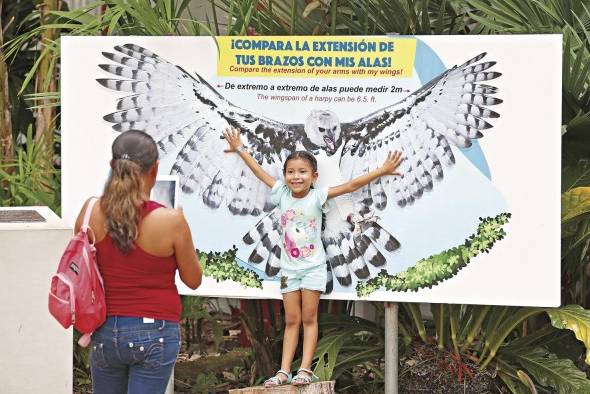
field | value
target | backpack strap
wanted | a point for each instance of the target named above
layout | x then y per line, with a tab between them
85	339
86	220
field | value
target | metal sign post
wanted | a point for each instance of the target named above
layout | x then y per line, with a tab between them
391	349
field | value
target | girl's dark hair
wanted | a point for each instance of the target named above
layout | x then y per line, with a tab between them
304	155
134	152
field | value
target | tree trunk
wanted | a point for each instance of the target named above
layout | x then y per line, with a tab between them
46	82
6	148
253	324
313	388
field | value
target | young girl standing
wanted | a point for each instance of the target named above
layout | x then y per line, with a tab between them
303	259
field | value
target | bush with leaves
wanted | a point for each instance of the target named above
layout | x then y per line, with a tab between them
434	269
222	266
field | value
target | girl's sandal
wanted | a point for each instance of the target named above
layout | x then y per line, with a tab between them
303	379
276	380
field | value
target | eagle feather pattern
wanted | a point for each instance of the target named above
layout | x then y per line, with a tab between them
184	113
181	111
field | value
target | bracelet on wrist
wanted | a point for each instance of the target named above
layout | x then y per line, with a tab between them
239	149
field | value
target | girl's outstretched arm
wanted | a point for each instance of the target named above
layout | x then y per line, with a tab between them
235	145
389	167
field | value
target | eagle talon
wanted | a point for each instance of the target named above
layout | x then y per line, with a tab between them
358	220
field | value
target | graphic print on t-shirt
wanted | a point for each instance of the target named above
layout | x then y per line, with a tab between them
298	234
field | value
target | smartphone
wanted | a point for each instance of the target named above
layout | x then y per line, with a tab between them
166	190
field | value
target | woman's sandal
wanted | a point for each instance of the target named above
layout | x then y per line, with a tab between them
303	379
276	380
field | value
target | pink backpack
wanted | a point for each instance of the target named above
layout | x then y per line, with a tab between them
77	291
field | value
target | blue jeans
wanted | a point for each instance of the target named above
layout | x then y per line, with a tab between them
130	356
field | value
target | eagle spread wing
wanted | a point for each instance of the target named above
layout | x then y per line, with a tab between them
450	109
177	109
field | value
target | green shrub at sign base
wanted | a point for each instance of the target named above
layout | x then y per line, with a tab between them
432	270
223	266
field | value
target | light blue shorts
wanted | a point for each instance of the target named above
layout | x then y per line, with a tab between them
313	278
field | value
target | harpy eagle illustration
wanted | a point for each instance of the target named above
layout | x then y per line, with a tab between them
179	109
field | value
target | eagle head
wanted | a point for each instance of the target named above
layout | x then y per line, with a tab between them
322	127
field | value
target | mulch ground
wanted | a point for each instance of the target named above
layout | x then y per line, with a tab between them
426	370
429	370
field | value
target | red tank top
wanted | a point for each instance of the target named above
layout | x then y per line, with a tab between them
138	284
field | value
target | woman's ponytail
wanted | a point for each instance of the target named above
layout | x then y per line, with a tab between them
134	152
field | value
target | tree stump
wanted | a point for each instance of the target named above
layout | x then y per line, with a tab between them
313	388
